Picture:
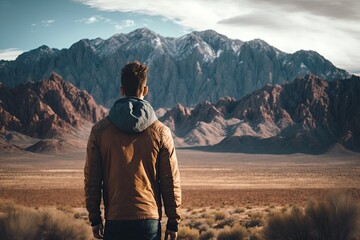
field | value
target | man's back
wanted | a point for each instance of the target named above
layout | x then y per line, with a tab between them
131	171
131	159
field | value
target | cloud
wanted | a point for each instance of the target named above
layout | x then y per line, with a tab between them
124	24
94	19
343	9
47	23
90	20
252	19
98	18
327	26
10	53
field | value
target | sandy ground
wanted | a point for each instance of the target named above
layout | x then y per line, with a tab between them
208	179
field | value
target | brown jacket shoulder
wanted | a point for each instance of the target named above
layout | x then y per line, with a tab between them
133	172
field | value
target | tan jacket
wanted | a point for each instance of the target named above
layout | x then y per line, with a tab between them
134	171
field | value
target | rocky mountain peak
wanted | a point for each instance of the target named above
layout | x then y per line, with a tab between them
37	54
55	77
142	32
47	108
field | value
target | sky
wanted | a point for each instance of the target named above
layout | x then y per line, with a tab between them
330	27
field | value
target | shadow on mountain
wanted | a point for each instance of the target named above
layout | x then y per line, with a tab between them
274	145
50	145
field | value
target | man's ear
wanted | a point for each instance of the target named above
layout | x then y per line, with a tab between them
145	91
122	93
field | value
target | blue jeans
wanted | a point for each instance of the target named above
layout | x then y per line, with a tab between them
133	230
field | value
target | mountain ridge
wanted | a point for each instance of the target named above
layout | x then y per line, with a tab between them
190	69
308	115
47	109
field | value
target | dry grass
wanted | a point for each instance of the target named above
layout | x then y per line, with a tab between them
335	218
216	198
311	222
219	215
192	198
187	233
232	233
208	235
18	222
231	221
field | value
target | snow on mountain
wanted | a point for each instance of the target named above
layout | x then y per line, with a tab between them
196	67
38	54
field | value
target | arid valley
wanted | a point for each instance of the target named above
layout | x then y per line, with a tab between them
208	179
216	186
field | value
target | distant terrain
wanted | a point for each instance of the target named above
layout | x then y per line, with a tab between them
49	115
308	115
214	93
208	179
197	67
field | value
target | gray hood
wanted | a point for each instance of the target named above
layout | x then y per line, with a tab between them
132	115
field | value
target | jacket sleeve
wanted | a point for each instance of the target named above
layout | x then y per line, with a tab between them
93	180
170	180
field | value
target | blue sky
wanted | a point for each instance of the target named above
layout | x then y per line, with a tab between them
27	25
330	27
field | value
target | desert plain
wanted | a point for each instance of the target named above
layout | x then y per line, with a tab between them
209	179
219	189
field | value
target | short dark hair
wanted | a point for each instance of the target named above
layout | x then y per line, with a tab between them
133	78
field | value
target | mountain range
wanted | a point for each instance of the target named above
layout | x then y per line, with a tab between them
308	115
229	95
197	67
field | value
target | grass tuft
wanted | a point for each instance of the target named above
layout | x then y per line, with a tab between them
335	218
208	235
18	222
234	233
187	233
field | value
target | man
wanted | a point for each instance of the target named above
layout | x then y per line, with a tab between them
131	161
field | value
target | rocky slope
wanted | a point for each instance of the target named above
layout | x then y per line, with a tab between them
191	69
46	109
308	115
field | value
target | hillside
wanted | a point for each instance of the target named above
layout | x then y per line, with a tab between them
308	115
47	109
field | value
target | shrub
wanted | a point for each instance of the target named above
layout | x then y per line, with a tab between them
17	222
254	223
294	225
205	215
219	215
235	233
195	224
255	236
335	218
187	233
257	220
226	222
239	210
284	209
58	225
208	235
210	221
